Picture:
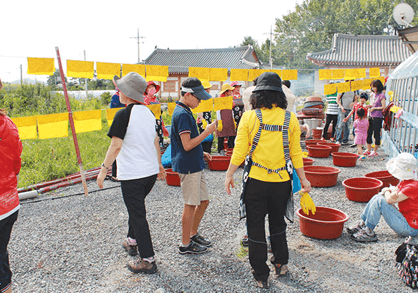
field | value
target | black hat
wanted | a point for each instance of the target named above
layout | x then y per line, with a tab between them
269	81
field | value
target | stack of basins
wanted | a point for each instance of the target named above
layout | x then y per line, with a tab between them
313	107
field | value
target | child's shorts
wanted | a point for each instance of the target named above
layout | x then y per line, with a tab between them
194	188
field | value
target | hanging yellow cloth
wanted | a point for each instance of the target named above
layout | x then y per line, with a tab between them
253	73
26	127
354	73
218	74
156	73
382	79
278	71
41	66
374	72
171	107
324	74
107	70
356	85
156	109
223	103
53	125
360	73
337	73
343	87
138	68
201	73
80	69
366	83
330	89
204	106
239	75
290	74
110	114
86	121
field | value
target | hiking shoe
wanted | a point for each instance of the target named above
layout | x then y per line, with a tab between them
244	240
280	270
142	266
192	248
366	153
362	236
201	240
373	154
356	228
130	249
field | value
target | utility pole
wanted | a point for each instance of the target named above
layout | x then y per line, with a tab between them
271	37
138	38
21	76
85	80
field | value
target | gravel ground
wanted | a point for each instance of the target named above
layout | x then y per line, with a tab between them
66	242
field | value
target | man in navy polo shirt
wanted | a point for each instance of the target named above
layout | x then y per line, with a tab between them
187	158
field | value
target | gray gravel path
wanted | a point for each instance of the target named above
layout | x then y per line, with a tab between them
66	242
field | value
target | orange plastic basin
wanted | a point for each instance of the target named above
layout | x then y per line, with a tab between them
361	189
335	146
308	162
319	151
385	177
321	176
344	159
172	178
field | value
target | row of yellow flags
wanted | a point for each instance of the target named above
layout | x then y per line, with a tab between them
355	85
348	74
56	125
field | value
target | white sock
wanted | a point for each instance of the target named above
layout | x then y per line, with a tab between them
131	241
149	259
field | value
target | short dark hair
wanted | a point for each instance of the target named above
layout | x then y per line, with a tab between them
189	83
364	95
286	83
266	99
361	112
378	85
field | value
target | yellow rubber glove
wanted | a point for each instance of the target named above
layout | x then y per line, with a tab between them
304	154
204	124
219	125
306	203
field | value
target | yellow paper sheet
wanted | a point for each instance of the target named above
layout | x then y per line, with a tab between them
107	70
138	68
330	89
343	87
41	66
239	75
374	72
156	109
253	73
337	73
278	71
325	74
360	73
156	73
218	74
201	73
26	127
80	69
356	85
366	83
86	121
171	107
350	74
223	103
53	125
110	114
290	74
204	106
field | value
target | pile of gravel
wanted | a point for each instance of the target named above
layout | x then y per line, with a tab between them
66	242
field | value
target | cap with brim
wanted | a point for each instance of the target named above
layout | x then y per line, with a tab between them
269	81
198	91
403	167
131	85
226	87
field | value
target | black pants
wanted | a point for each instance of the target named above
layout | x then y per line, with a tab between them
134	193
6	226
375	126
328	120
261	199
231	142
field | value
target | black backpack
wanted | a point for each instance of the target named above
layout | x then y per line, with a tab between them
407	263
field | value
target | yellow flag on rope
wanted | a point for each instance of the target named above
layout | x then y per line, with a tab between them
239	75
218	74
290	74
53	125
156	109
107	70
110	114
201	73
366	83
138	68
337	73
253	73
86	121
171	107
26	127
343	87
330	89
41	66
374	72
80	69
204	106
156	73
324	74
356	85
222	103
278	71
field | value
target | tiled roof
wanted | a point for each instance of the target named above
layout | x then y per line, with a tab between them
409	37
180	60
354	51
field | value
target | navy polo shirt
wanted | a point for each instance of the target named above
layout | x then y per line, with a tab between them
181	161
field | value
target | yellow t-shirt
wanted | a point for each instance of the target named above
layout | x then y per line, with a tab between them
269	151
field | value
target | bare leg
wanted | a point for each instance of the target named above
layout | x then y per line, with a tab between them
359	149
186	222
369	147
198	215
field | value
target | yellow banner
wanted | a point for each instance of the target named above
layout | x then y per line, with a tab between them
53	125
223	103
330	89
85	121
107	70
138	68
366	83
41	66
374	72
171	107
201	73
343	87
337	73
324	74
156	73
156	109
26	127
356	85
253	73
218	74
110	114
204	106
290	74
80	69
239	75
354	73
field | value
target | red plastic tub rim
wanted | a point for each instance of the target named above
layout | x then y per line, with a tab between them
344	219
344	155
376	183
313	141
380	174
308	161
321	170
319	147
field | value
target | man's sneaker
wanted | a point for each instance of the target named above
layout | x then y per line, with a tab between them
142	266
363	236
244	240
130	249
201	240
373	154
192	248
366	153
356	228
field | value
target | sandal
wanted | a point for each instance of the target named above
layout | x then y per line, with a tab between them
281	270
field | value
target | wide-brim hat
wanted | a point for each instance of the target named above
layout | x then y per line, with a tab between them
226	87
206	84
157	87
269	81
131	85
403	167
198	91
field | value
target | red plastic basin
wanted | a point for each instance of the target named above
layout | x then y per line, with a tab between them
319	151
327	223
312	141
321	176
335	146
308	162
361	189
344	159
219	163
316	133
228	152
172	178
385	177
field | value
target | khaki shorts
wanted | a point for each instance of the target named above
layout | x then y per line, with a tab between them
194	188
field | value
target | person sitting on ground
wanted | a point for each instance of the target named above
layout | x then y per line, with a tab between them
404	219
